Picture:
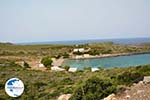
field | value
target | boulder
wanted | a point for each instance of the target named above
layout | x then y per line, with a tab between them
64	97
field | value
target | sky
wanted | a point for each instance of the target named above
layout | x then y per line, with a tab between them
57	20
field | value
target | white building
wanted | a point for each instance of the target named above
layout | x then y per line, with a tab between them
94	69
56	68
75	50
78	50
81	49
72	69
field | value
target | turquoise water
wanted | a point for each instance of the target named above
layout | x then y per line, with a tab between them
120	61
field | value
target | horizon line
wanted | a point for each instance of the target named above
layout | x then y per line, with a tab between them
42	42
72	40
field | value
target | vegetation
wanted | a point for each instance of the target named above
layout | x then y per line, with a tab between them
26	65
87	69
78	53
94	89
33	50
111	48
8	49
48	85
66	68
87	85
128	78
65	55
46	61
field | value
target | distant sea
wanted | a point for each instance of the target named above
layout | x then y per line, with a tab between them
73	42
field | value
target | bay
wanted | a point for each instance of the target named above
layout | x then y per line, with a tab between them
110	62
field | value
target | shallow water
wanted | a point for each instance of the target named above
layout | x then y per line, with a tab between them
120	61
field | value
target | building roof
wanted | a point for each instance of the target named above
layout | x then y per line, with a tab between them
72	69
78	50
94	69
56	68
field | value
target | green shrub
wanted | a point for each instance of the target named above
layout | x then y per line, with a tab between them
78	53
87	68
54	94
57	56
93	89
66	81
145	70
109	51
26	65
46	61
2	86
94	52
65	55
127	78
66	68
68	90
39	84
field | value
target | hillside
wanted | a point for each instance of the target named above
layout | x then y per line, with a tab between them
50	85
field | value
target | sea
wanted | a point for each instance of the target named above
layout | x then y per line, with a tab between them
78	42
110	62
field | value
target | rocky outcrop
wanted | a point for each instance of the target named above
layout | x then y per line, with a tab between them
139	91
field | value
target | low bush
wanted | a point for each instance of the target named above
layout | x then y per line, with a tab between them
46	61
66	68
127	78
26	65
93	88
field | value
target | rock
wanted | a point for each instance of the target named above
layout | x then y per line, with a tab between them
134	84
41	65
127	96
146	79
141	82
111	97
64	97
139	91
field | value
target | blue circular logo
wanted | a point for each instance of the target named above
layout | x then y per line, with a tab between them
14	87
